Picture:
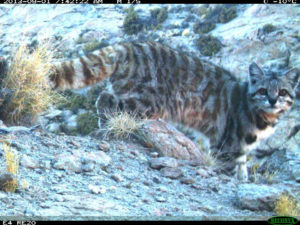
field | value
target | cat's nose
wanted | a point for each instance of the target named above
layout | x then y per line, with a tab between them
272	101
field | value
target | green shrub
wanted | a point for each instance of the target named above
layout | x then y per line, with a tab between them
268	28
220	13
132	23
86	123
227	14
72	102
159	14
94	45
63	128
203	10
203	27
81	40
208	45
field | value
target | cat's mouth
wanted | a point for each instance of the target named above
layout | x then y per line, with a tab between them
272	109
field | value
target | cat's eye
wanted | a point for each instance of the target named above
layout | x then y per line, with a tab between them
262	91
283	92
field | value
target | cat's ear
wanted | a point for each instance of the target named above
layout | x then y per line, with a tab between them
255	73
293	76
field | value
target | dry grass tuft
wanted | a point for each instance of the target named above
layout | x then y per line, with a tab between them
209	159
122	124
286	206
28	79
12	166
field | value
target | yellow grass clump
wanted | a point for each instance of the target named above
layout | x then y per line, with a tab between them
122	124
209	159
286	206
28	79
12	166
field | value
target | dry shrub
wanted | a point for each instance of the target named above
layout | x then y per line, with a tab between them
122	124
286	206
208	158
12	166
28	79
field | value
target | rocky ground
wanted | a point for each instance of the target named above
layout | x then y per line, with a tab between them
65	175
82	177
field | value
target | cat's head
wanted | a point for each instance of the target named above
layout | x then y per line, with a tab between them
272	92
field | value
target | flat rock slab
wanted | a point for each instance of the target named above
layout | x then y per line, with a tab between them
168	141
257	197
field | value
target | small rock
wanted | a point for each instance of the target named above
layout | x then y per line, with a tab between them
53	127
58	198
117	178
186	32
187	180
202	173
159	199
195	162
71	123
156	180
197	186
88	167
172	173
158	163
74	143
225	178
147	183
207	208
112	188
93	189
66	114
47	164
104	146
129	185
214	187
100	158
102	189
154	154
29	162
96	190
54	114
69	163
162	189
145	200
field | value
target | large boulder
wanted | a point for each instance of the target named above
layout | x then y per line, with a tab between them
168	141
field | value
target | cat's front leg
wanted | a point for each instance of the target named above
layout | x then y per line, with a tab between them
242	172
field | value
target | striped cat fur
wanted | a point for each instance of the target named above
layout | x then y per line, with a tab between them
156	81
